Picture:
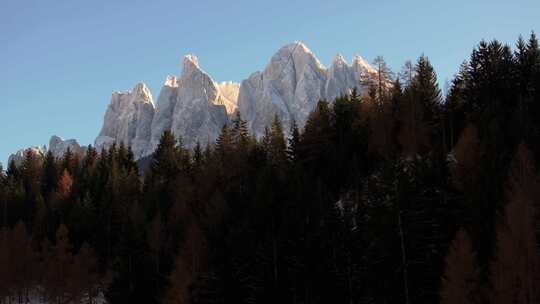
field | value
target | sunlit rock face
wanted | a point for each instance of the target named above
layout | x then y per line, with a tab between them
195	107
18	157
292	83
128	120
229	95
58	146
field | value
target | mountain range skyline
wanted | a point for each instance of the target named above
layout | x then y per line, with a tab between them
73	60
195	107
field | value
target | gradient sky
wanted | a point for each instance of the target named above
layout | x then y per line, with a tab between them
60	60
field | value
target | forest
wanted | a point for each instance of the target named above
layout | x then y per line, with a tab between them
397	195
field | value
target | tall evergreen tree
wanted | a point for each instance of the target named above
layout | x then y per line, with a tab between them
239	131
461	279
516	269
293	142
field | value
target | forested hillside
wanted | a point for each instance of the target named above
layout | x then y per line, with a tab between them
399	195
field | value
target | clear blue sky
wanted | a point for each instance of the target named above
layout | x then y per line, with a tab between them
60	60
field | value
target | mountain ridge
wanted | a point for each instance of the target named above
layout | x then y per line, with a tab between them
195	106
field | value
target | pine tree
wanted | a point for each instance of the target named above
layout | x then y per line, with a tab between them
515	273
384	74
65	184
5	261
59	267
294	142
12	170
49	178
466	155
278	145
86	276
68	160
30	173
165	164
155	240
198	154
425	90
454	111
460	281
224	142
239	131
420	115
22	261
317	135
189	263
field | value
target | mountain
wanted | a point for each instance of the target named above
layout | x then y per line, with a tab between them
128	120
18	157
195	107
57	146
292	83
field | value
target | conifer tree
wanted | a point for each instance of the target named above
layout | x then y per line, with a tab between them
198	155
317	135
465	157
58	267
49	179
189	263
68	160
460	281
515	272
12	170
30	171
278	145
419	116
384	74
224	142
454	111
89	282
5	270
22	261
65	184
425	90
165	164
239	131
293	142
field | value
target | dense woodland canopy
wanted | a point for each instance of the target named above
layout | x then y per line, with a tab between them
399	195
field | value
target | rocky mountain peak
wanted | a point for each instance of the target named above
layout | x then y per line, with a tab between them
190	63
195	107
